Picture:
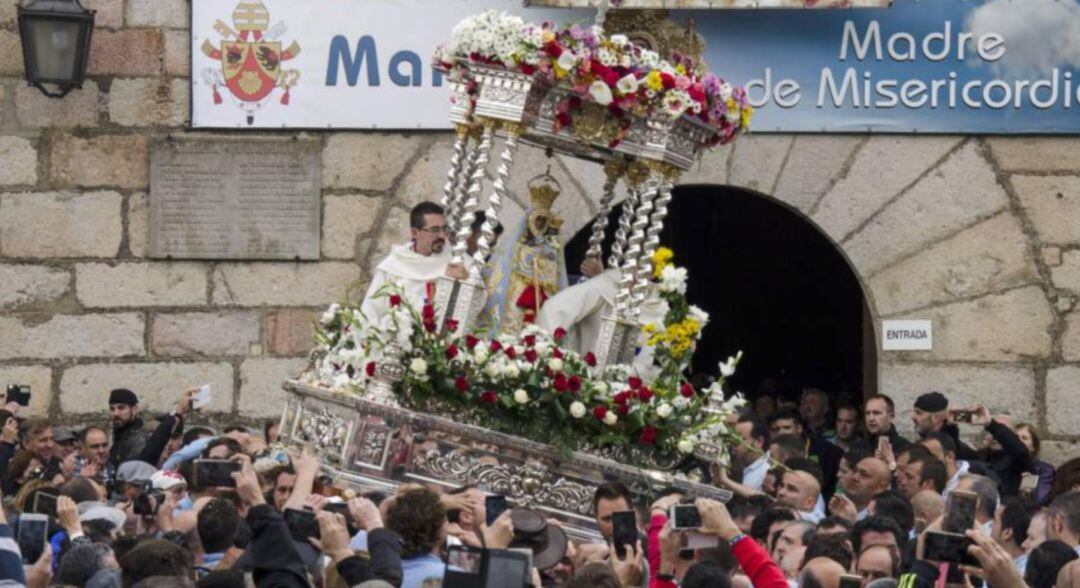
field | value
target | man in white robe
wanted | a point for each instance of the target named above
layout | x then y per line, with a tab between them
415	266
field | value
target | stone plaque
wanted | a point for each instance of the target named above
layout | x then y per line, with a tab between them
219	198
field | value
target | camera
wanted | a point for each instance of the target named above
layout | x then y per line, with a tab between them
147	502
19	394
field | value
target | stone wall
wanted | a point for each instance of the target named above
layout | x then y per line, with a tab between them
979	234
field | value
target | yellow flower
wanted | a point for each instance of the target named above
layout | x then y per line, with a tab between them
653	80
661	259
548	36
681	69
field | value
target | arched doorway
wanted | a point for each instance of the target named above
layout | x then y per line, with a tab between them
775	287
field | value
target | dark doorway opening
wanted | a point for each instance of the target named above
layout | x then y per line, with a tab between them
774	286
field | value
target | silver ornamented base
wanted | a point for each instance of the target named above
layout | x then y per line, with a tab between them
370	446
459	301
617	343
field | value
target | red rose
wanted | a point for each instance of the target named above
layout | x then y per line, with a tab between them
648	435
668	80
451	325
395	300
527	69
451	352
610	77
623	397
553	49
530	355
489	397
599	412
575	383
559	334
590	359
429	326
686	390
557	353
562	120
635	383
471	342
645	395
622	409
496	347
561	384
511	353
369	369
530	340
428	312
461	384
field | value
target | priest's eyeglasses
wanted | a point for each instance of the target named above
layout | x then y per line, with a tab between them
437	230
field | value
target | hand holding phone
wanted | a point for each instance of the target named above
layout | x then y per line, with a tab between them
32	538
494	505
302	524
216	473
624	531
960	512
19	394
684	517
201	398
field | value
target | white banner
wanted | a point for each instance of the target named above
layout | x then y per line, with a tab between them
328	64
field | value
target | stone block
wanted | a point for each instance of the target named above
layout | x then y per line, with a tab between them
712	169
11	54
290	331
1067	275
172	14
121	161
394	231
1062	410
987	257
147	102
178	53
84	389
1051	255
427	176
110	13
1056	453
1070	339
9	11
1012	326
1036	153
589	178
957	194
345	219
368	161
206	334
814	165
70	336
128	52
100	285
24	285
1005	390
39	378
261	395
20	162
757	161
80	108
282	284
1053	205
138	224
60	224
882	169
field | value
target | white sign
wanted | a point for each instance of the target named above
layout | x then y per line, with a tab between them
320	64
907	335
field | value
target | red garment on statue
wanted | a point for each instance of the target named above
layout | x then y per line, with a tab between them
527	301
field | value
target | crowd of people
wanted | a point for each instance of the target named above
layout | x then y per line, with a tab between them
824	497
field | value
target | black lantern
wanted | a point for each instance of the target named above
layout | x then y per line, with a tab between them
56	44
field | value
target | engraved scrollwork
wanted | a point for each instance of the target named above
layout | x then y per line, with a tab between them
326	431
372	444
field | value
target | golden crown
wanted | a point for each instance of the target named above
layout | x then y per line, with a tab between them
251	15
543	196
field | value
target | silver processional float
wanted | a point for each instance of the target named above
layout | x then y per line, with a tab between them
577	92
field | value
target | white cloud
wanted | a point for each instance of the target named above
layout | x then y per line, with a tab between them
1039	34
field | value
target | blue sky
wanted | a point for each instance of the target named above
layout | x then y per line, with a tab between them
798	44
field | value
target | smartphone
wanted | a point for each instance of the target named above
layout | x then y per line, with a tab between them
33	534
464	567
684	517
624	531
215	473
201	398
961	415
850	581
528	553
301	523
948	547
1029	482
19	394
494	505
341	508
695	541
45	503
506	569
960	512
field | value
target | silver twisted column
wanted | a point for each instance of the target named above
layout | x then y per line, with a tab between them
613	170
451	200
652	243
621	234
632	258
477	170
498	192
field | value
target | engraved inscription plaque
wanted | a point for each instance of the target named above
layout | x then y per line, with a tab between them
219	198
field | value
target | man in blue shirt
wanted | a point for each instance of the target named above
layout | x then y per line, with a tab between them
418	517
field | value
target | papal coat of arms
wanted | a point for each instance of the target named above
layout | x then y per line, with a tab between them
251	59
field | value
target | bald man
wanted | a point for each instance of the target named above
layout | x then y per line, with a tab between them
876	562
872	477
800	490
929	506
821	572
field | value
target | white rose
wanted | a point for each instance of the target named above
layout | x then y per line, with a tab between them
418	366
341	381
664	410
673	279
611	418
511	371
481	353
328	316
601	93
542	347
601	387
725	92
628	84
521	396
728	368
555	364
577	410
619	40
567	60
493	370
686	446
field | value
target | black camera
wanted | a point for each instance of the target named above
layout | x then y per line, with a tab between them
147	503
19	394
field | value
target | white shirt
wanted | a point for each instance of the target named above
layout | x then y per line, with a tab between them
961	469
410	271
753	475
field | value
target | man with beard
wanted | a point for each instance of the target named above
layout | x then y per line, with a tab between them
130	441
416	266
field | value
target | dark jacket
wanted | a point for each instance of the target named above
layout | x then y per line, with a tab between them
828	456
133	442
384	563
963	451
275	561
1010	462
1045	487
870	442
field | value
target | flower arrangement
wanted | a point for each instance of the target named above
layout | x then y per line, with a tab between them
609	71
529	384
